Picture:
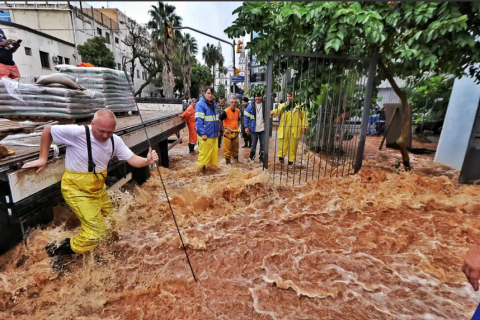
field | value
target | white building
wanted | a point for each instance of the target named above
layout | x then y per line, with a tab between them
225	79
52	28
39	52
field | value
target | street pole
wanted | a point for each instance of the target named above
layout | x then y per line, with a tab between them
233	85
209	35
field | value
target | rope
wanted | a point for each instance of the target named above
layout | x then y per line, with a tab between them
161	179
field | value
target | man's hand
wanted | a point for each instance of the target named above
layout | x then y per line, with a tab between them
227	130
40	164
204	137
471	265
303	131
152	156
247	131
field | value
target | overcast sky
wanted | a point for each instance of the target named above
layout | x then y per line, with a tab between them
210	17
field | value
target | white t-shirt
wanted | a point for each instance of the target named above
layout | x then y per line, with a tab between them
76	158
259	122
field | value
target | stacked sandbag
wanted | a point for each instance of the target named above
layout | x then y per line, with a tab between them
110	82
53	100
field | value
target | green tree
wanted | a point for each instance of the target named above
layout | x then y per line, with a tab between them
189	50
220	91
95	51
212	57
201	77
413	38
162	18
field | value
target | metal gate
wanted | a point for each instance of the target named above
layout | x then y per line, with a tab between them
320	130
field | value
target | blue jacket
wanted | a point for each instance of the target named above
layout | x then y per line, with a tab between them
206	119
251	115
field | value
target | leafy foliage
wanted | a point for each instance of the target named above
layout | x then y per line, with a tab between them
96	52
212	57
252	92
160	16
430	97
219	92
201	77
412	38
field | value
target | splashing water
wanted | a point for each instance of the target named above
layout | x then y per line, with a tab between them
382	244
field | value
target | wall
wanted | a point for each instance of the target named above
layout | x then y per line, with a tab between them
457	128
31	65
160	107
56	21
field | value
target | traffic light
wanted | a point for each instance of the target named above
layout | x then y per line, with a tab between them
239	46
237	72
168	26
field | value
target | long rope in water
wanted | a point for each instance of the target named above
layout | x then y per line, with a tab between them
161	179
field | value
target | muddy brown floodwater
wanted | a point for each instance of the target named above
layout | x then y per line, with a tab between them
382	244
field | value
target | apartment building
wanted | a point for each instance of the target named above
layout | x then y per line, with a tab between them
52	32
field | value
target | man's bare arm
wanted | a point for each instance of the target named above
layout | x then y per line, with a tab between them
45	142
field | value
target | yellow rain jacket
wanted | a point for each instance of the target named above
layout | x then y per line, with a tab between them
292	121
289	130
87	196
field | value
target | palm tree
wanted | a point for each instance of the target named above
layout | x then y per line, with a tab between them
189	49
209	54
162	18
212	57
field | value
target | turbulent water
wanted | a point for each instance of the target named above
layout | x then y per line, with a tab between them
383	244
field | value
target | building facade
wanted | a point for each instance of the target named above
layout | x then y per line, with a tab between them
62	28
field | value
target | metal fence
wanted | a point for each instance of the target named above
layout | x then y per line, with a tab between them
321	128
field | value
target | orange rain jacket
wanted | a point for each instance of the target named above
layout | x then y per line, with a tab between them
189	115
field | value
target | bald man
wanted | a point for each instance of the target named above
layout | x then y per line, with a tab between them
89	151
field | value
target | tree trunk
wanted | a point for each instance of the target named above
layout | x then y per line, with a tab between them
133	71
168	80
186	79
407	118
213	74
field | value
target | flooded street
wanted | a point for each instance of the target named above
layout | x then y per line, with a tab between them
382	244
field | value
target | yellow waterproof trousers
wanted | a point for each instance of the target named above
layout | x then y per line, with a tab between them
230	145
88	198
207	151
289	146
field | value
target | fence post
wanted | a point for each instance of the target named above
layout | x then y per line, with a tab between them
268	105
366	109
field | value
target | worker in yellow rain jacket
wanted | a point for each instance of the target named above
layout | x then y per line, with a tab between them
207	126
293	124
89	151
231	118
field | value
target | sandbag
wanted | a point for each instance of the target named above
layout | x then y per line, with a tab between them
59	78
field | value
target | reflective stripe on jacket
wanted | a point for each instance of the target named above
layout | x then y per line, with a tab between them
206	119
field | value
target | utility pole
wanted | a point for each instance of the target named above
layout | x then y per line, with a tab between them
209	35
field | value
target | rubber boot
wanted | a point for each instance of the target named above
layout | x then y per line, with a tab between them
191	147
228	161
60	250
281	160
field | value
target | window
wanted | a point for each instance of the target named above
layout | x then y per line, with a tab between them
119	66
60	59
28	51
107	37
5	16
151	94
116	40
44	59
99	31
67	60
138	74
